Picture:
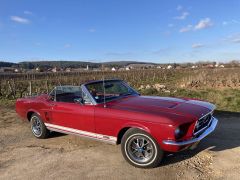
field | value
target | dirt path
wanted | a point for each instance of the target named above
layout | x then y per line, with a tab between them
70	157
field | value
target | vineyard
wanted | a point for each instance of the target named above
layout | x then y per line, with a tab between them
220	86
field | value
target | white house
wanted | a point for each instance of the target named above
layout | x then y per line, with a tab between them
113	69
68	69
54	69
87	68
16	70
169	67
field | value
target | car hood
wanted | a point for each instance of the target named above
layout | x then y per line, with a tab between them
163	105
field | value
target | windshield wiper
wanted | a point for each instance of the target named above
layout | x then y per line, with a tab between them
126	94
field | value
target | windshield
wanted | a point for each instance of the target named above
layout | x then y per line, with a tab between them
113	89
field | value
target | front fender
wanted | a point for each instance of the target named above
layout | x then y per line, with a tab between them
158	131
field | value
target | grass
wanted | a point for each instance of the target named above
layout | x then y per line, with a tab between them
7	102
226	99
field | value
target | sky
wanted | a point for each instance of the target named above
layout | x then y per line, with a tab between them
112	30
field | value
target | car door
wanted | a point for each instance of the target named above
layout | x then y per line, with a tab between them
72	117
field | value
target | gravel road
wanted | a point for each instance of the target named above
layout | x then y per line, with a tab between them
70	157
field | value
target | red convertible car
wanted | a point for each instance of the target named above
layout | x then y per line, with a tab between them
112	111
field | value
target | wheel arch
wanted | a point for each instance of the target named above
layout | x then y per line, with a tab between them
30	113
124	129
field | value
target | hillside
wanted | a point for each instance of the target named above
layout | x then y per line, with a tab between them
67	64
7	64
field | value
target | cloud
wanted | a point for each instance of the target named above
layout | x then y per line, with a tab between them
224	23
37	44
19	20
237	40
119	54
235	21
28	12
92	30
231	22
203	24
170	25
164	52
166	33
197	45
186	29
67	45
179	8
182	16
233	38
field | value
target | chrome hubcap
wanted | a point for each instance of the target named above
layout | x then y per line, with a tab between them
36	126
140	149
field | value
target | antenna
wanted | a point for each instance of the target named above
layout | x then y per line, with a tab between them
104	98
55	94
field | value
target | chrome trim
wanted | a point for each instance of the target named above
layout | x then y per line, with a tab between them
85	90
86	134
211	112
94	101
207	113
197	139
201	130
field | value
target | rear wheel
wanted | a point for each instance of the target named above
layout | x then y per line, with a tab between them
38	128
140	149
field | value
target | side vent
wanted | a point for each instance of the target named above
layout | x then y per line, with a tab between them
47	116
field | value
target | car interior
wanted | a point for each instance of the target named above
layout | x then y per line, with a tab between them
66	94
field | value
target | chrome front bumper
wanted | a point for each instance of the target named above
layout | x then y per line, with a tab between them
209	130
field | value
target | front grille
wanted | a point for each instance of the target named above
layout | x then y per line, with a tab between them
203	123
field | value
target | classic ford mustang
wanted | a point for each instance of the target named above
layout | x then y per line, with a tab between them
112	111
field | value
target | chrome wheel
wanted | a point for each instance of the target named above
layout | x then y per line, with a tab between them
140	149
36	126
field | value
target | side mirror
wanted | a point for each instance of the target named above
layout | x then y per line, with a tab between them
50	98
79	100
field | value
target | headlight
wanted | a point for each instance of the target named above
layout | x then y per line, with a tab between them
179	132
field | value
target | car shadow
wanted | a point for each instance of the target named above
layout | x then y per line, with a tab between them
226	136
54	134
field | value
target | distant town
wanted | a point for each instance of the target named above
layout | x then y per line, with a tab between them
75	66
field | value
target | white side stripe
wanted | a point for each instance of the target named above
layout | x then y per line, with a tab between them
81	133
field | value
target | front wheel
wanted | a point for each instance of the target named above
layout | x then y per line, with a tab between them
140	149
